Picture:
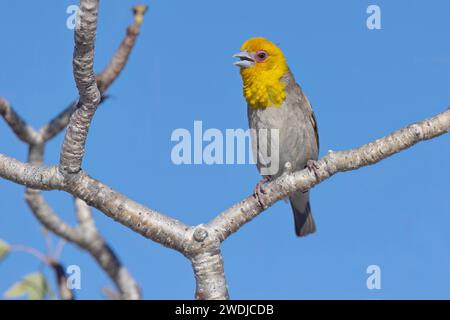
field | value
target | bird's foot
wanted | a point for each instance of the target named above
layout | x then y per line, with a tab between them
259	192
313	165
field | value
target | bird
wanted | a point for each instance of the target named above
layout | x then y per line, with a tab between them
276	101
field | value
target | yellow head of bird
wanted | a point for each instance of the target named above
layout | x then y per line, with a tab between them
262	65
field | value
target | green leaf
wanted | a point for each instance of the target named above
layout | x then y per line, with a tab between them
33	286
4	249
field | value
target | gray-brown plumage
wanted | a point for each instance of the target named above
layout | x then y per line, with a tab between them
276	101
298	143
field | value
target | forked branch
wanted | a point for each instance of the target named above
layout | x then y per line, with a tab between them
200	244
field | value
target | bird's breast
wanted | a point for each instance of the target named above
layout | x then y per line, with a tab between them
283	130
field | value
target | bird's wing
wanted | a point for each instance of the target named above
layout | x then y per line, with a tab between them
313	120
302	101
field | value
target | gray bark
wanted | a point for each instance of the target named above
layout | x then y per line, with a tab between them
200	244
85	235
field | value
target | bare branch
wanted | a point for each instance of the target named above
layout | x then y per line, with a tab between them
235	217
22	130
85	235
61	279
110	293
48	241
34	176
41	210
84	214
210	275
48	218
72	151
147	222
105	78
171	232
183	238
120	58
109	262
200	244
31	251
57	124
56	254
103	254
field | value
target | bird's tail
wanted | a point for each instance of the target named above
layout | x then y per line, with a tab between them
304	221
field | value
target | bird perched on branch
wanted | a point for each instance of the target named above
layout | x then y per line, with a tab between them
276	104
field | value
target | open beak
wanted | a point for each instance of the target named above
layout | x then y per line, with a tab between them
246	61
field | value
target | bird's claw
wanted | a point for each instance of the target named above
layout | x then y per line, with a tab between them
259	192
313	165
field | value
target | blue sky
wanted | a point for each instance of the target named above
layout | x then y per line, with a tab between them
363	84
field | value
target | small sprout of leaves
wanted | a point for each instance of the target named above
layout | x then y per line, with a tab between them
33	286
4	249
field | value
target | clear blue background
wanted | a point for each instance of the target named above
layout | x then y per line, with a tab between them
363	84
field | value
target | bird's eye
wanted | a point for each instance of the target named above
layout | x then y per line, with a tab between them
261	56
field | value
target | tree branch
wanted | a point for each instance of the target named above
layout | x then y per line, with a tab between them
120	58
147	222
199	243
39	207
34	176
23	131
105	78
61	279
49	219
207	264
58	123
94	243
85	235
72	150
235	217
